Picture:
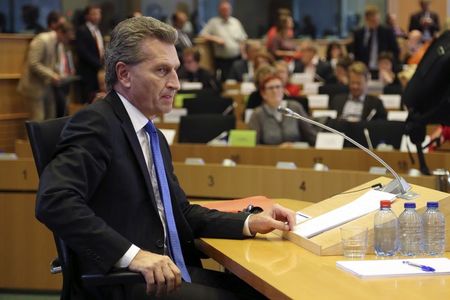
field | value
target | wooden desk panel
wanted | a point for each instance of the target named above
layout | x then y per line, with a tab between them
346	159
26	247
282	270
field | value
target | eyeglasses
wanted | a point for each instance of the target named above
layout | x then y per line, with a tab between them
273	87
253	209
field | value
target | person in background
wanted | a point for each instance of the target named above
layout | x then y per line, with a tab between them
54	18
311	63
179	19
30	18
391	22
282	71
227	35
340	75
440	135
425	21
46	67
255	98
272	32
110	192
386	72
90	51
244	69
334	53
272	127
372	39
283	46
358	105
191	70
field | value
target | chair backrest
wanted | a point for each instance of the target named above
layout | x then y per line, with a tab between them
203	128
44	137
217	105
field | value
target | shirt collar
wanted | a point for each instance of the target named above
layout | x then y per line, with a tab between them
91	26
138	119
360	98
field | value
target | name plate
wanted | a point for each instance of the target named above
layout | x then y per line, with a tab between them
189	86
318	101
406	143
247	88
242	138
169	134
175	115
391	101
301	78
329	141
397	115
324	113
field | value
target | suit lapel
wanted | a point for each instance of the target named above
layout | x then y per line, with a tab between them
128	129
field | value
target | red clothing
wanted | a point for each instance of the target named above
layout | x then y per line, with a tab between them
292	90
272	33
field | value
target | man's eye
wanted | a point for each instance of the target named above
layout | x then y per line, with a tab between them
163	71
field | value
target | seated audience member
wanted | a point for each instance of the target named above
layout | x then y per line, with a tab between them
283	46
179	20
290	89
386	73
191	70
310	63
244	69
391	22
425	20
264	71
271	126
334	53
357	105
54	18
340	74
412	44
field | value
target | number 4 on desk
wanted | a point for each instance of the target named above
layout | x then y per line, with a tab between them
302	186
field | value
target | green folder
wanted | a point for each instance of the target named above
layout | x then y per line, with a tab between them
242	138
179	99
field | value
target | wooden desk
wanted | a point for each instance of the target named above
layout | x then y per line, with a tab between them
282	270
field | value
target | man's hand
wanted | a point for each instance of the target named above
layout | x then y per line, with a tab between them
277	217
161	274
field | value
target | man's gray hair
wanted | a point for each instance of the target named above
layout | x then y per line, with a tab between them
126	40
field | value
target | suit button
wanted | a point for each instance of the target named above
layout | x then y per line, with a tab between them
159	244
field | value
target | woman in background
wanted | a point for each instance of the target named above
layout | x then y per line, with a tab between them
272	127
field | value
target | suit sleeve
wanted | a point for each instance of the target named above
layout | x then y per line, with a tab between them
203	221
69	182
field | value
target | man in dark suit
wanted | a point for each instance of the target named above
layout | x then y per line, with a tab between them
191	71
244	69
110	192
373	39
90	51
425	21
357	105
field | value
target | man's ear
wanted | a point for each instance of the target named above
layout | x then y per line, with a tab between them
123	74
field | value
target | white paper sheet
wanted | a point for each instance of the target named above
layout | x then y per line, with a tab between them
365	204
394	267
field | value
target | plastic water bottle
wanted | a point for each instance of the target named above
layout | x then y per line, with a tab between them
385	230
434	230
411	231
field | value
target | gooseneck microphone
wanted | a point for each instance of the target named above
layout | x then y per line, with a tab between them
397	186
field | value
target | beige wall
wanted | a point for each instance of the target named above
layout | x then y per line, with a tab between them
404	8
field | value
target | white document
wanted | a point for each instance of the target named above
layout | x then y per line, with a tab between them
406	142
247	88
329	141
325	113
397	115
318	101
174	115
365	204
189	86
391	101
169	134
394	267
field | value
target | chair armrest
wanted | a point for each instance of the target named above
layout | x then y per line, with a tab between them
119	277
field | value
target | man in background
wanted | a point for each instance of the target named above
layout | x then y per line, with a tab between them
227	35
425	21
46	68
90	50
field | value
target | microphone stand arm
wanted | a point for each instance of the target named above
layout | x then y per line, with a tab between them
397	186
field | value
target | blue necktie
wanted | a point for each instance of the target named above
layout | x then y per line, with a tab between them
174	241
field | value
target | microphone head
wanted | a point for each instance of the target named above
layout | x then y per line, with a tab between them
283	110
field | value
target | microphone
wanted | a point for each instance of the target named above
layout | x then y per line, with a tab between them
397	186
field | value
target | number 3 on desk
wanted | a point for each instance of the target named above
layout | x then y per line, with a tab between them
211	180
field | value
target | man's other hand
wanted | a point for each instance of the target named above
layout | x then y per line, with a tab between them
277	217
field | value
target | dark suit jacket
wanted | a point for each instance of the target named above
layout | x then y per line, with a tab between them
414	22
89	62
323	70
386	43
371	102
96	193
238	69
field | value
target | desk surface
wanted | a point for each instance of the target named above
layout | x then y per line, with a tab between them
280	269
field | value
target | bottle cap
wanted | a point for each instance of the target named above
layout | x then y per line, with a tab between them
410	205
385	204
433	204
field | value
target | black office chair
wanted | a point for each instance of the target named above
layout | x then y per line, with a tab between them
44	137
203	128
333	89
